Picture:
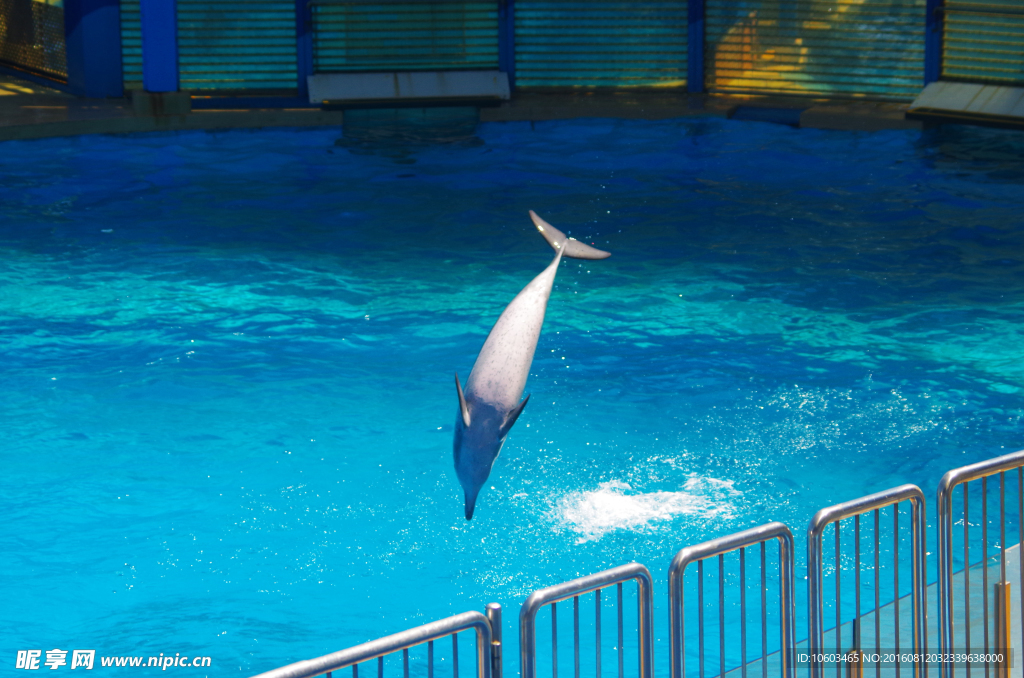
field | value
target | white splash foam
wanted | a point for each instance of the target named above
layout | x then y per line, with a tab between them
595	513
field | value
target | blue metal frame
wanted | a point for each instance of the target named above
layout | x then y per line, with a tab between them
933	22
695	46
159	45
303	47
92	36
507	40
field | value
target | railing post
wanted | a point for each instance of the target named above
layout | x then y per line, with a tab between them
787	556
855	658
677	648
1003	640
815	598
919	581
645	612
945	526
494	617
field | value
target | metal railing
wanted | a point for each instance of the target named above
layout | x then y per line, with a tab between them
719	547
488	653
488	629
962	476
815	576
574	589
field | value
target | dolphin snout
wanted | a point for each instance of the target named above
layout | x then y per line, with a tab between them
470	506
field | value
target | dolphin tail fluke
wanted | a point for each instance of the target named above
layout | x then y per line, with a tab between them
567	246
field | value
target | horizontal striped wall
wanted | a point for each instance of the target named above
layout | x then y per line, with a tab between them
131	44
227	45
846	48
398	36
600	44
981	44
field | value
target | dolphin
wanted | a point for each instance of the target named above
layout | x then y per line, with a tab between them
490	404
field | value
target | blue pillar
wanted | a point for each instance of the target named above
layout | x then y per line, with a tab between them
159	45
933	40
303	46
507	40
695	46
92	35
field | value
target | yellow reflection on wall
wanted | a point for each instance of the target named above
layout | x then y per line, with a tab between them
770	49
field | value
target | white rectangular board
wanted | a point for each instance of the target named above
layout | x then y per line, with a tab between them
967	97
407	86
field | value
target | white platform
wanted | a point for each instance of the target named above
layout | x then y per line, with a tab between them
970	102
404	88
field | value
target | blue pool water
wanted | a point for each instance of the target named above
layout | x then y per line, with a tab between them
227	399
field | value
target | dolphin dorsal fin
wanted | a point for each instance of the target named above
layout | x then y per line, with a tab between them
513	415
462	402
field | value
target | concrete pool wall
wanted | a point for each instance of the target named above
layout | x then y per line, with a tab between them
32	111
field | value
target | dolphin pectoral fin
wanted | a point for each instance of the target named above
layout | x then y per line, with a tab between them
462	402
513	415
569	247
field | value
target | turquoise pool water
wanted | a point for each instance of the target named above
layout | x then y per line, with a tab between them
228	359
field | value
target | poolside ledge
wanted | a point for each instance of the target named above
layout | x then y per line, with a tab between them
31	111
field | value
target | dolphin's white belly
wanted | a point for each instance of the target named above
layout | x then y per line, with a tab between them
489	406
500	371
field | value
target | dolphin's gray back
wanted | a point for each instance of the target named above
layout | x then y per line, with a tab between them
500	371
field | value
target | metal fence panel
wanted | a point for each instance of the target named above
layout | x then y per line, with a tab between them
552	595
846	48
994	470
739	541
32	37
236	45
983	41
832	515
427	633
601	43
404	36
996	478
